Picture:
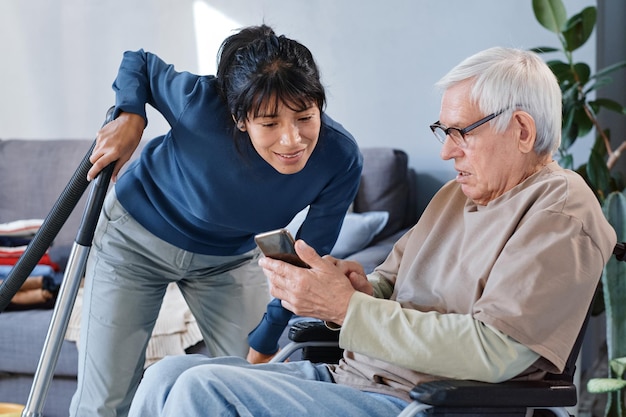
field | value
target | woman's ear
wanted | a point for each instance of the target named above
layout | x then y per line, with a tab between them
526	131
240	124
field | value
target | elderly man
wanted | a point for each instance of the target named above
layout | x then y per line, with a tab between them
467	293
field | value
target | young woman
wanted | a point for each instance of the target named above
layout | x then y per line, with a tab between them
247	150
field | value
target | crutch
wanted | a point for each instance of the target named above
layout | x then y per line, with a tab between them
73	272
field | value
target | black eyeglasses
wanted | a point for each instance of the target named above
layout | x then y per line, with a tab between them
458	135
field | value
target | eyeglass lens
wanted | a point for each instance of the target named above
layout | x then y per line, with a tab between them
441	135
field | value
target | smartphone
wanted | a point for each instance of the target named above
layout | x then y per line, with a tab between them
278	244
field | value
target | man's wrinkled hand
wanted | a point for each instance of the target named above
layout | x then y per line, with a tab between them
322	291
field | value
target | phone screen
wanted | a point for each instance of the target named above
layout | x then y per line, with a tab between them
279	244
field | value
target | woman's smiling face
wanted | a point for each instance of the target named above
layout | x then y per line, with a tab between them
285	138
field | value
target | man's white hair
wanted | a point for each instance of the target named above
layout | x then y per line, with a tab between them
513	79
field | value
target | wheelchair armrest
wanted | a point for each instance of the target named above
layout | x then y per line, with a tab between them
462	393
312	331
317	342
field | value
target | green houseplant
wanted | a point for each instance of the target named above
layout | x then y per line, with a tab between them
580	117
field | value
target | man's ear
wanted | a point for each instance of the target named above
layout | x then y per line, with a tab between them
240	124
526	131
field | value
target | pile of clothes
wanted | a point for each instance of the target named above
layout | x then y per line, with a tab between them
42	285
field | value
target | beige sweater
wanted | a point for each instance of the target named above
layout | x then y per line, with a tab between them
480	292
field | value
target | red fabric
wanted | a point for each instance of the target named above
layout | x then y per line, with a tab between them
45	260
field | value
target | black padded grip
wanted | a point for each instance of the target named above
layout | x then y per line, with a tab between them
312	331
459	393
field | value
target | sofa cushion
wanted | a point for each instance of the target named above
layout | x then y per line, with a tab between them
386	185
375	254
22	336
33	173
357	231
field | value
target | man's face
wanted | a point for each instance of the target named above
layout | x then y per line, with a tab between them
491	163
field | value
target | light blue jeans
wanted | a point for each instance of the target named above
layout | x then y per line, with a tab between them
197	386
127	274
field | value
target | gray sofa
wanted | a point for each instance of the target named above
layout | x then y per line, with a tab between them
32	175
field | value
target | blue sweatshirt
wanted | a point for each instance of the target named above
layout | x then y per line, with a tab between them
193	187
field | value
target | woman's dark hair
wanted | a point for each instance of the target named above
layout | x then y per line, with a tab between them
256	66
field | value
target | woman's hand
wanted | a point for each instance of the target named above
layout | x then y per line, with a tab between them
116	141
323	291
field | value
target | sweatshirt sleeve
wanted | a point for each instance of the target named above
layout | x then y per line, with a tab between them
143	78
457	345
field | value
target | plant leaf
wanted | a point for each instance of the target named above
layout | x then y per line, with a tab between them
544	49
570	97
598	146
600	82
562	71
578	28
582	121
569	132
567	161
583	71
618	366
607	104
602	385
550	14
599	175
607	70
613	282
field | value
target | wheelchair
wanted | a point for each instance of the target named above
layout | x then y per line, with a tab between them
459	398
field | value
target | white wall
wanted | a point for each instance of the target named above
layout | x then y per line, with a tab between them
379	59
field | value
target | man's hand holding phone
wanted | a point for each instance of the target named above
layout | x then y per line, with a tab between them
322	291
279	244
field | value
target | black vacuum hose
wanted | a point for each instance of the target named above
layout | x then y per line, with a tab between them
49	229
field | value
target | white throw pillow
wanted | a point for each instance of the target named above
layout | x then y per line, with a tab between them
357	231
